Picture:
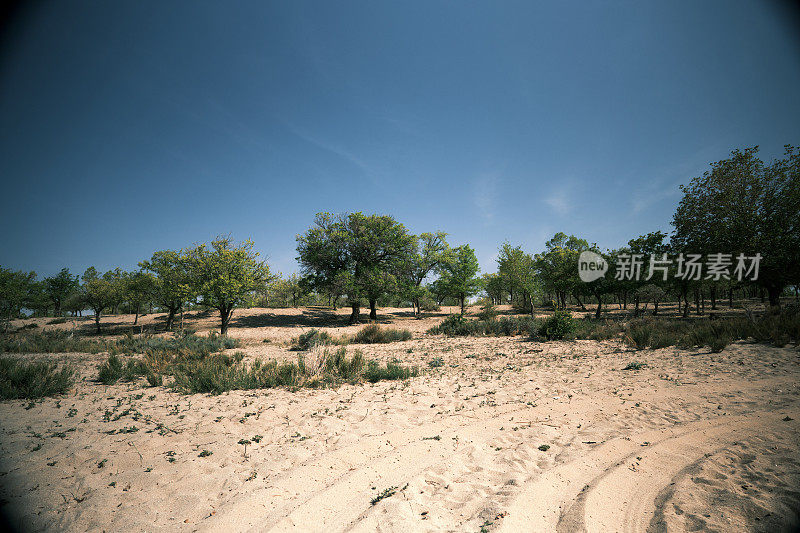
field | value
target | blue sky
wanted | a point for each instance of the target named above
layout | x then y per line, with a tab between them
127	127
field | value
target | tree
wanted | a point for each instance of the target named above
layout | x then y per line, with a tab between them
494	286
517	270
139	289
742	206
14	291
429	252
98	292
459	275
60	287
363	254
558	268
173	285
226	273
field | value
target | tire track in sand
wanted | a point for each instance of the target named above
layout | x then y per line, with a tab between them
615	487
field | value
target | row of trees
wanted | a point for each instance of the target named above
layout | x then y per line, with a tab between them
221	276
740	206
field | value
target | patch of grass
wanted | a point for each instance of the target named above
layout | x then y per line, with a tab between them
58	320
220	373
49	341
31	380
374	334
460	326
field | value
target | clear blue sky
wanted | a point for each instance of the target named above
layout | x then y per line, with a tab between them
127	127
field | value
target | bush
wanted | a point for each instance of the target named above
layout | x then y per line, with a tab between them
557	326
32	380
488	311
58	320
114	370
374	334
311	338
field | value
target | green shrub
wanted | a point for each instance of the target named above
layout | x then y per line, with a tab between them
311	338
488	312
557	326
374	334
114	370
32	380
58	320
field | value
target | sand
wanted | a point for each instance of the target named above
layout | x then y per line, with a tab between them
508	435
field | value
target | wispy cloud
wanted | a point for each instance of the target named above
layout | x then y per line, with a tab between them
485	193
334	149
559	201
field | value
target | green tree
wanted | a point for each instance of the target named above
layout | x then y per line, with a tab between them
98	292
139	289
60	287
428	254
742	206
558	268
362	254
459	275
226	273
14	291
173	284
518	272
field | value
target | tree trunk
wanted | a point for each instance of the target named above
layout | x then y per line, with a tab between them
355	314
730	298
373	312
580	303
655	307
774	296
136	318
97	319
170	318
599	306
225	316
463	304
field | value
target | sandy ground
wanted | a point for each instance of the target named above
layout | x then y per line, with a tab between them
508	435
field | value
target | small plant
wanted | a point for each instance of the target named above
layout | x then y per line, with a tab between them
544	447
635	365
436	362
257	438
387	493
205	453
